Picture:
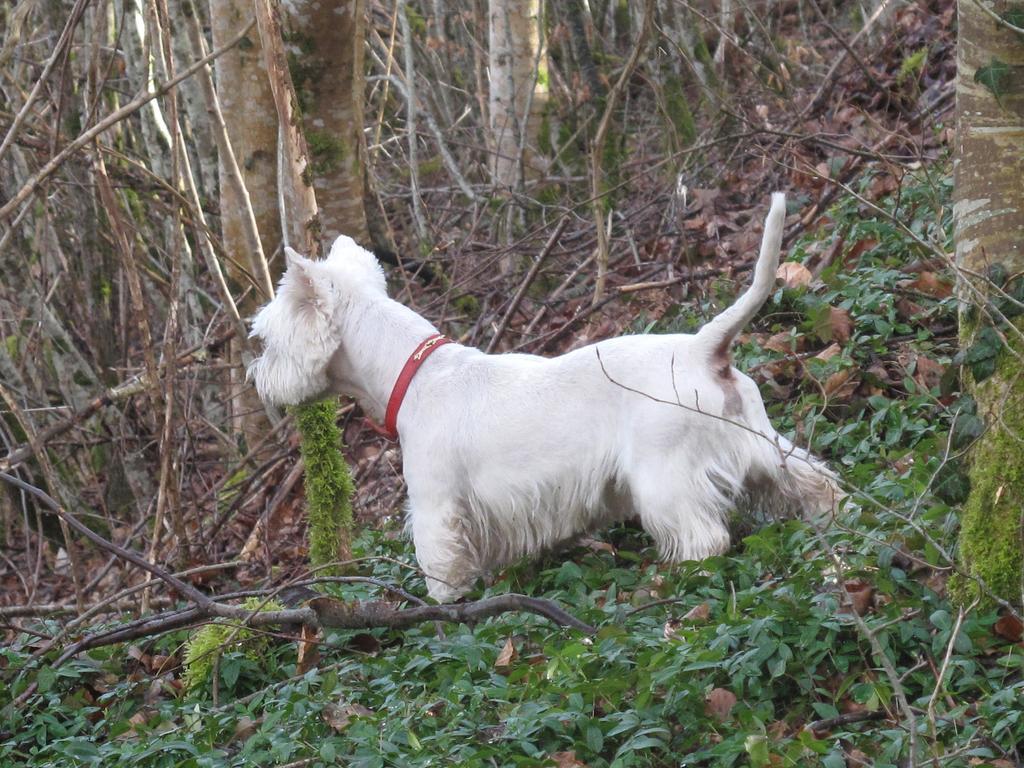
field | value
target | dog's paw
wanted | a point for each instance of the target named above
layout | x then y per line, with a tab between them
441	592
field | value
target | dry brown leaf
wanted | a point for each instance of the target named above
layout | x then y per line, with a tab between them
903	463
140	717
792	274
719	703
858	248
309	650
252	545
841	324
907	309
848	706
779	729
363	642
672	626
928	373
878	374
507	655
929	284
701	197
698	613
881	185
597	546
857	759
1009	628
861	596
160	663
784	342
828	352
840	386
245	727
338	716
567	760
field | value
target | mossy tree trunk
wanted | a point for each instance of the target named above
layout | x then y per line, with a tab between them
328	482
248	109
989	213
325	52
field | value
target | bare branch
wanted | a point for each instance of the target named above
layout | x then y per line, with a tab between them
109	121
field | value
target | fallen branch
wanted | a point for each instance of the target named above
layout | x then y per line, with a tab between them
334	613
319	612
847	718
323	612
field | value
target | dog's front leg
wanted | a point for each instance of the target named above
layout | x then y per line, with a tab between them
441	549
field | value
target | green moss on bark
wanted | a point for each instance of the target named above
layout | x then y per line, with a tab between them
991	535
326	150
328	485
208	642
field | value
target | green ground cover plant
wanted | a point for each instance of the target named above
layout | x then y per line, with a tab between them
831	645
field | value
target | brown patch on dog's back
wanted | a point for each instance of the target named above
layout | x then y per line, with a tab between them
721	364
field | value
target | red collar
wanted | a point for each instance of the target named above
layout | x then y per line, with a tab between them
416	359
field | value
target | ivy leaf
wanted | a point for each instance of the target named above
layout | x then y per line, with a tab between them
756	746
995	77
230	667
967	428
980	357
1014	17
982	369
45	679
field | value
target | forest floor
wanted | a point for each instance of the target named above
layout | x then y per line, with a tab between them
833	645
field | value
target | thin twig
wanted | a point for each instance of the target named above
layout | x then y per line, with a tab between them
597	151
186	589
878	651
940	678
111	120
526	283
135	385
59	52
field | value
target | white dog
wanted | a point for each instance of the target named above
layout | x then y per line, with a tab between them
507	455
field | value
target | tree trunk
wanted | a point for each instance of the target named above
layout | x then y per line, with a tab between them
328	482
514	45
989	214
582	55
248	109
326	56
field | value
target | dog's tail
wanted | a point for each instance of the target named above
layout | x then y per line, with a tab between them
717	336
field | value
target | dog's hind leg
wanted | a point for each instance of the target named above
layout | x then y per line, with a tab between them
440	549
685	515
805	482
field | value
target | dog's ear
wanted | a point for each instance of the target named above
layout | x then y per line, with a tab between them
303	283
356	266
293	258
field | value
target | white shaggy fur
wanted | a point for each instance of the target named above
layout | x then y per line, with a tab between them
507	455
